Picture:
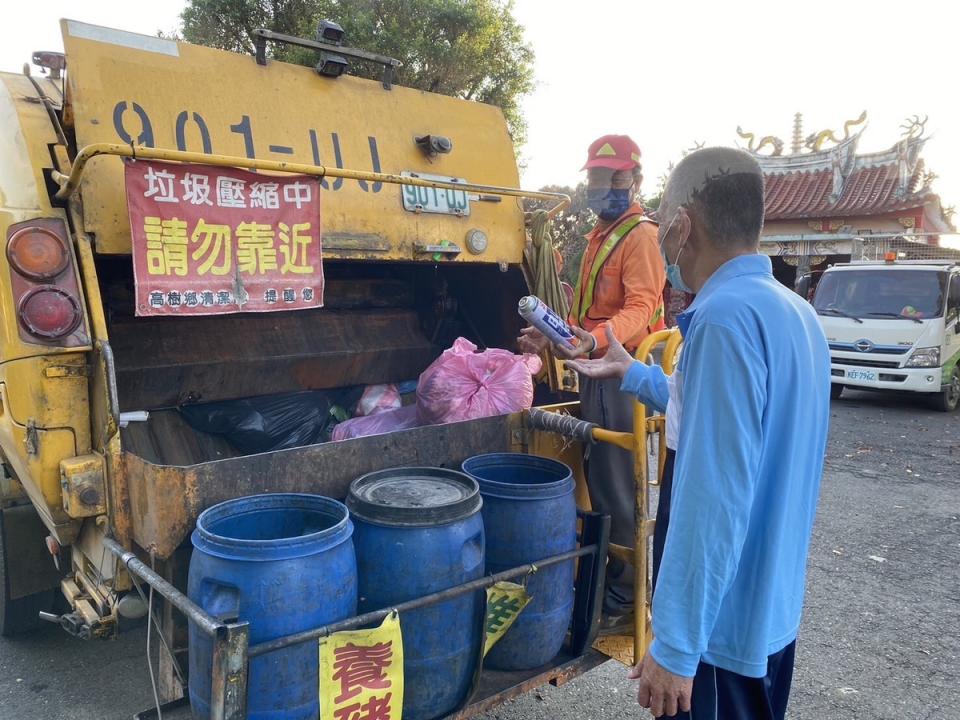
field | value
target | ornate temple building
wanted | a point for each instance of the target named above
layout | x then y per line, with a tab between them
827	203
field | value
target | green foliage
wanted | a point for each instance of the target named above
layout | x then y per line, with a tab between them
472	49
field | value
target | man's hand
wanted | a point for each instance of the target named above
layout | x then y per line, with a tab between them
586	345
532	341
660	690
614	363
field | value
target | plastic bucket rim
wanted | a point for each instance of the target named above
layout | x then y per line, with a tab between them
517	491
266	501
420	517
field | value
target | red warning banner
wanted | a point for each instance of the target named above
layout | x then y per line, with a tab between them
210	241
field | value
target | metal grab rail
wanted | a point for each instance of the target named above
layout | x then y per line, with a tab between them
69	183
431	599
209	625
228	684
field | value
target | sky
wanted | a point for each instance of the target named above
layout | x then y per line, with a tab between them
678	72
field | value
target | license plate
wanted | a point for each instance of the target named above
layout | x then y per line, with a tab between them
867	375
435	200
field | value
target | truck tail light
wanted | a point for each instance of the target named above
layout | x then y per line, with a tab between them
49	312
37	253
44	283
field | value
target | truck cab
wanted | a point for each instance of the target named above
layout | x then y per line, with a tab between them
893	325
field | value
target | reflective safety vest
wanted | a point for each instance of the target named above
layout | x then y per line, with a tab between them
583	297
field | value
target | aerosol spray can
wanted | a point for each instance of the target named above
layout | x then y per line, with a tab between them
537	313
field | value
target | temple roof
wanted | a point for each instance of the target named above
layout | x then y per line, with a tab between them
866	190
838	182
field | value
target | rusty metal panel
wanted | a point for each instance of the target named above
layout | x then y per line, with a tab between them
163	362
167	439
165	94
164	501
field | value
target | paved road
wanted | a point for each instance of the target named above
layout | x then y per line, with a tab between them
881	634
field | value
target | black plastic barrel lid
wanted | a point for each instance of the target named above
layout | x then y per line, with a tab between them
414	497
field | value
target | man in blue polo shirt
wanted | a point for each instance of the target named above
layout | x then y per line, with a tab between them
752	397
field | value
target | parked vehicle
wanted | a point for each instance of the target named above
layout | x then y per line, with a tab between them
892	325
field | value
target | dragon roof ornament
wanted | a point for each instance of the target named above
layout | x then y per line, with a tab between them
818	142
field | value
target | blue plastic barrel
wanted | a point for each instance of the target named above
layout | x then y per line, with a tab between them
284	563
419	531
529	513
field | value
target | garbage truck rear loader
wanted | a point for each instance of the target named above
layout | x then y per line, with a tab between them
423	241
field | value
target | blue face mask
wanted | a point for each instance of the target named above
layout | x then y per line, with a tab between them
609	203
673	269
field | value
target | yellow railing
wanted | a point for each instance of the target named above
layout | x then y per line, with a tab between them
70	182
636	443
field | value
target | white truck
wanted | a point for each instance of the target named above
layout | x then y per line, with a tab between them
893	325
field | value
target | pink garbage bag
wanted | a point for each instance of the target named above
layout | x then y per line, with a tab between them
377	399
463	384
383	422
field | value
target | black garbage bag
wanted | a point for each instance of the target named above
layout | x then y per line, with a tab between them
274	422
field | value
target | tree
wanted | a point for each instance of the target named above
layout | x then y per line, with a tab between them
472	49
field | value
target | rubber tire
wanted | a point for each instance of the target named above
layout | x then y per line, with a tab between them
836	390
23	614
947	400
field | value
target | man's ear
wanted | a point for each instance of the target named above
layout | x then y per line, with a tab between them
684	226
691	228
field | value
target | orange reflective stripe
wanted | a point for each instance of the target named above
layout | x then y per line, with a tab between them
583	299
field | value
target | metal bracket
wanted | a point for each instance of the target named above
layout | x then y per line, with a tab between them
228	691
262	35
439	249
520	438
66	371
73	623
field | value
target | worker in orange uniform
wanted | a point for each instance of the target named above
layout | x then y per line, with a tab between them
620	285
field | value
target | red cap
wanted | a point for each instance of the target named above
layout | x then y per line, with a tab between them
617	152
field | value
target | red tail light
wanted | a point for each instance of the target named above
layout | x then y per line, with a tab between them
49	312
44	283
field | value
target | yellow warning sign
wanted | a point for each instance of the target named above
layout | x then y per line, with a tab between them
505	601
361	673
606	151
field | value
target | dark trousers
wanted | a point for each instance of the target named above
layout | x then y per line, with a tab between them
663	514
719	694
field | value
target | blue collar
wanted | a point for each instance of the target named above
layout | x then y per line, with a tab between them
737	267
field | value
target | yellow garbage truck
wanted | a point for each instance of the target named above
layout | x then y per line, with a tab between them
423	240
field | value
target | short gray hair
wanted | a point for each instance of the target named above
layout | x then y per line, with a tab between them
723	187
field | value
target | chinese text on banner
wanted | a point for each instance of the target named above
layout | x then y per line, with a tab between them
209	240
